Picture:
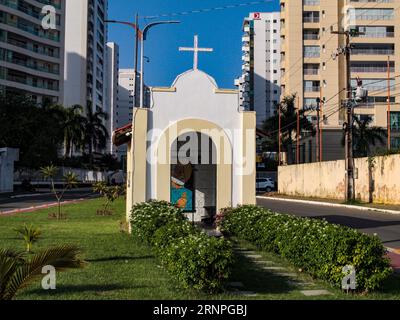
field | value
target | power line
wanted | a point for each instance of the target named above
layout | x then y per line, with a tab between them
205	10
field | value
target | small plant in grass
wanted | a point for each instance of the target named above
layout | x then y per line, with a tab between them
70	181
110	194
30	235
18	272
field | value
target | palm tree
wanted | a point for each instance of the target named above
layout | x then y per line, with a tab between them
96	133
16	272
74	129
365	136
289	125
29	234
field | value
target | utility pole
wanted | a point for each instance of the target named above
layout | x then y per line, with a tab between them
279	135
389	124
321	116
318	137
298	132
348	126
135	90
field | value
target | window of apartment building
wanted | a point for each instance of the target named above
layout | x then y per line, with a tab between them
371	66
310	103
371	14
312	51
395	121
395	142
311	68
374	84
310	34
311	16
375	31
311	86
366	117
373	49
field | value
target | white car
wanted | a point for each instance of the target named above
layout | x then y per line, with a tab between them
265	184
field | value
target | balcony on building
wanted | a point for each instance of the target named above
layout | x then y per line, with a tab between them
312	86
311	2
371	14
311	69
311	34
375	32
385	49
371	67
311	17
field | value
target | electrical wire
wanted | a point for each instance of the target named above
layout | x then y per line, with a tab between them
206	10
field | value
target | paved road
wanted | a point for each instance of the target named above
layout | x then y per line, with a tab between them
387	226
12	202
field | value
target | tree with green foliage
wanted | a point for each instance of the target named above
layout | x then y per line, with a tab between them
74	129
365	136
289	126
35	131
96	133
17	272
109	193
70	180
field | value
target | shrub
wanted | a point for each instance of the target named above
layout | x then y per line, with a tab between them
316	246
191	256
148	217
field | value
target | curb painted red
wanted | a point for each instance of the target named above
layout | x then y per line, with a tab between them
395	260
36	208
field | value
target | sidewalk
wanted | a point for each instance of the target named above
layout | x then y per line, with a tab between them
391	209
36	208
38	192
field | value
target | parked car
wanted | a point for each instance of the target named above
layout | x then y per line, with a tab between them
265	185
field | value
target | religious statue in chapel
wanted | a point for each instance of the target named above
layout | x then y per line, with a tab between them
182	187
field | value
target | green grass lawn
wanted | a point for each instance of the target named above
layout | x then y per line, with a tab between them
120	268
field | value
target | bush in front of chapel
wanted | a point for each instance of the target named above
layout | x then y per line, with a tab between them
317	247
190	255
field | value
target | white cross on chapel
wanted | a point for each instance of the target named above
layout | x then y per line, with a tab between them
196	51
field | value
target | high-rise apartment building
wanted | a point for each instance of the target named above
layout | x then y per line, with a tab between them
260	82
31	57
127	100
112	90
311	69
85	53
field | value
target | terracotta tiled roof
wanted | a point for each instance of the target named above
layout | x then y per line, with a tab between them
122	135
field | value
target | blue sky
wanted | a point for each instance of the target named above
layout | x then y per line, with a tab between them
218	29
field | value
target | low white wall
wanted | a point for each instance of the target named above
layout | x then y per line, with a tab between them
85	176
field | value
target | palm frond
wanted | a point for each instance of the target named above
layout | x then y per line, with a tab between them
61	258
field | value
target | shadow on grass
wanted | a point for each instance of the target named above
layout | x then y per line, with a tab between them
120	258
259	280
391	285
98	288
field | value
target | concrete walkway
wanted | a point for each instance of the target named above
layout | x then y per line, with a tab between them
292	279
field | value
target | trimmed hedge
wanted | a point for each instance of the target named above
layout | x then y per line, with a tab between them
191	256
316	246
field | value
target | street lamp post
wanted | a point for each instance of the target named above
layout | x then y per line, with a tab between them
138	34
144	37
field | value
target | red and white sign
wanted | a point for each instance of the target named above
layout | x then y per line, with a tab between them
257	16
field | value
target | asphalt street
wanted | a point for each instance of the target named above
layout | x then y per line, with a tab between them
386	226
13	202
